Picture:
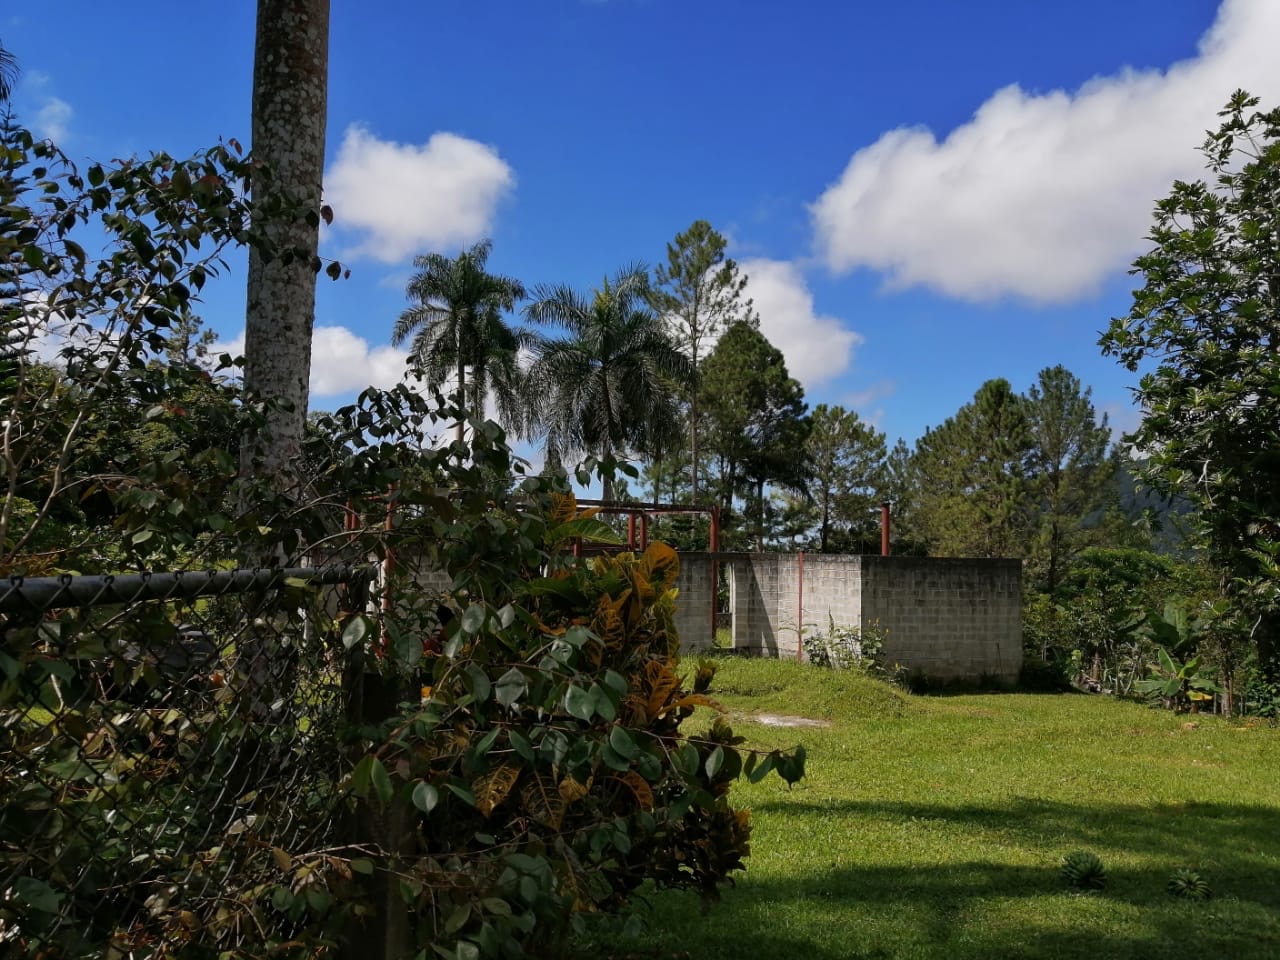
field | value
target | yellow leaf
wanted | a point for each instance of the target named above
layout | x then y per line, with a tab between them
691	700
639	786
542	801
282	859
492	788
571	790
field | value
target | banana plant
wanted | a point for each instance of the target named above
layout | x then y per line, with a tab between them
1181	685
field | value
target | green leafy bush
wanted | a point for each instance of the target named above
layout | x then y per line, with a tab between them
1083	870
1187	884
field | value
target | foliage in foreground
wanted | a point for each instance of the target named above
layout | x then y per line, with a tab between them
485	758
1207	315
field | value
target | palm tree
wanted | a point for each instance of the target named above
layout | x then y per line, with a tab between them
605	387
8	72
456	326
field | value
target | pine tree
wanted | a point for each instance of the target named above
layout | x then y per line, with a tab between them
971	473
846	457
701	293
1069	472
757	428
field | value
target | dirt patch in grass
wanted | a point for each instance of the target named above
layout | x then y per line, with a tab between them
780	720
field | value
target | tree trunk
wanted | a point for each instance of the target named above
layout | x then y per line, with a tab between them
693	446
290	81
462	402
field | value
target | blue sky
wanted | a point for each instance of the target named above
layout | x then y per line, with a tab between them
925	194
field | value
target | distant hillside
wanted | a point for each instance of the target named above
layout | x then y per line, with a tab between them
1170	519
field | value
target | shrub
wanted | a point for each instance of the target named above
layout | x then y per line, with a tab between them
1187	884
1083	870
844	647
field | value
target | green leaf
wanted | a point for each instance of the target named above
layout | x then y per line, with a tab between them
360	776
762	769
380	781
37	894
356	630
361	866
715	760
616	682
478	683
473	618
487	741
585	528
462	793
425	796
579	703
621	741
458	918
520	745
510	687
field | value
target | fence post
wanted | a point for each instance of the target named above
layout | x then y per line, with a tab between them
373	697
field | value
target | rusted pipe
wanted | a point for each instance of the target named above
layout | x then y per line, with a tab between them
885	522
800	613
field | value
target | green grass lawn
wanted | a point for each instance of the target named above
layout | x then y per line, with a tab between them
934	827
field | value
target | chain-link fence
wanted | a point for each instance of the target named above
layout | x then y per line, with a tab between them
171	747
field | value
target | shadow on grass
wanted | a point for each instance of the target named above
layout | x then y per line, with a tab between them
970	909
1233	841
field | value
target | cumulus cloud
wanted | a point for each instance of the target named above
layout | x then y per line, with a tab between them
408	198
1043	196
53	120
341	361
817	348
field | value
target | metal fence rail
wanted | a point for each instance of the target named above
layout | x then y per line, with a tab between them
170	747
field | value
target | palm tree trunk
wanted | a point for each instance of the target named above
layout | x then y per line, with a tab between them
290	91
462	401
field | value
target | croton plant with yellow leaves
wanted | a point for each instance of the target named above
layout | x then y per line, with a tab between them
547	772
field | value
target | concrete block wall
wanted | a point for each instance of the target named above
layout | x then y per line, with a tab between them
693	604
832	591
947	618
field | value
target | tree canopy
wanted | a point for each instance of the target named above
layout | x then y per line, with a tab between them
1208	318
456	328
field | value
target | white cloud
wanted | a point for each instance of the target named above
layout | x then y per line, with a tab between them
341	361
53	120
1043	196
817	348
409	199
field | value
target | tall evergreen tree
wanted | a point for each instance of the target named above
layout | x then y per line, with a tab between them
701	292
757	428
971	473
1069	472
846	457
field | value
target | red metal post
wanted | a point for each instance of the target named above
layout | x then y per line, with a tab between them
631	531
885	522
800	612
644	531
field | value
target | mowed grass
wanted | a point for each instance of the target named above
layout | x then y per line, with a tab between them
934	826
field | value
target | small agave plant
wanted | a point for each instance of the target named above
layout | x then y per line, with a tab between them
1188	885
1084	871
